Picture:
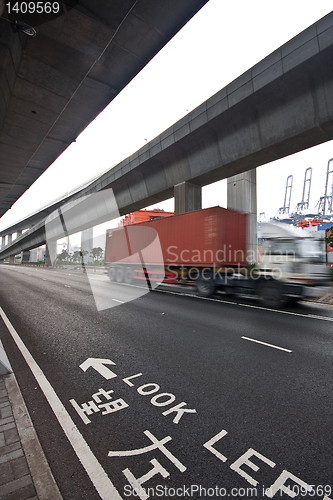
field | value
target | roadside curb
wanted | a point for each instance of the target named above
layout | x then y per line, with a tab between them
41	475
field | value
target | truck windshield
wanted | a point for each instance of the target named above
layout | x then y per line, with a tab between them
280	247
311	249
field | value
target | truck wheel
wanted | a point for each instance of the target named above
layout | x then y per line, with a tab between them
270	294
128	275
205	286
112	273
120	275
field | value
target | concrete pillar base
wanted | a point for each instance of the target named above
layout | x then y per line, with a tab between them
50	252
187	197
33	255
242	196
12	259
25	256
87	243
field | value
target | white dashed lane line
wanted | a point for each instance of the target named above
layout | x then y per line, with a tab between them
268	345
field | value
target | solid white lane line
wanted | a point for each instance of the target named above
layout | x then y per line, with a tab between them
251	306
316	316
121	301
95	471
269	345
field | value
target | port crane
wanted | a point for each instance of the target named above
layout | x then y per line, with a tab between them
325	202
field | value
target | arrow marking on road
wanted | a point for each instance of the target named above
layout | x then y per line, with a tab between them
98	365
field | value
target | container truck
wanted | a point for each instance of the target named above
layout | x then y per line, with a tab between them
208	249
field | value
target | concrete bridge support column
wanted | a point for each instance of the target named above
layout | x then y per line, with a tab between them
3	241
33	255
12	259
50	252
10	238
87	243
25	256
187	197
242	196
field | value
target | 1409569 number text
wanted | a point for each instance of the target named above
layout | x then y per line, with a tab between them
33	7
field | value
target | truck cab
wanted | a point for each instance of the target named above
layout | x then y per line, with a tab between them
292	264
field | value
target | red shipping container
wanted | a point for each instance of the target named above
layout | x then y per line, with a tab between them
209	237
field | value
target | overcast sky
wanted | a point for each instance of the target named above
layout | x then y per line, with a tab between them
220	43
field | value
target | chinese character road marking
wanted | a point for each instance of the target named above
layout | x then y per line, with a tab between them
156	445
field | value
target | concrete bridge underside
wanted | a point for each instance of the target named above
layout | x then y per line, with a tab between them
53	85
280	106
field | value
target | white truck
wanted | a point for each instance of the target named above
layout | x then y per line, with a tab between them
292	267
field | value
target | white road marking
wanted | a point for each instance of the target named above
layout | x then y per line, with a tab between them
98	365
279	311
95	471
213	440
120	301
316	316
252	306
269	345
157	444
68	286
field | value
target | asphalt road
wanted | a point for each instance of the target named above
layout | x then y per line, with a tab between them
202	409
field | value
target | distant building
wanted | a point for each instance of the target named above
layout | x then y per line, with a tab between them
37	254
40	253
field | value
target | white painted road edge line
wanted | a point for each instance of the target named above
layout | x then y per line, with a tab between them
95	471
265	343
316	316
251	306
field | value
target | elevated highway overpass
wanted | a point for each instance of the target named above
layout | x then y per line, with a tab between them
280	106
38	216
53	85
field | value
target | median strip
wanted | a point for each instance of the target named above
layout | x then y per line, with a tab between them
269	345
